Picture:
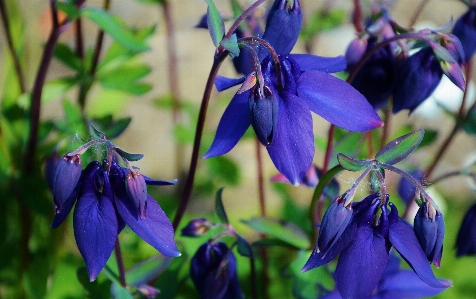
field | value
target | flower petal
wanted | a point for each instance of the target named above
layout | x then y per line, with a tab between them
292	149
319	63
222	83
233	124
337	102
361	264
95	230
405	242
155	229
406	284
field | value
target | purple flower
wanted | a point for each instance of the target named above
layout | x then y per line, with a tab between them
197	227
396	283
466	240
104	206
278	106
465	30
213	271
429	228
66	176
364	249
405	189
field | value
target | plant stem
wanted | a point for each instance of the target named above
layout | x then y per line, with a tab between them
357	17
259	164
417	12
254	289
11	47
188	186
240	19
120	263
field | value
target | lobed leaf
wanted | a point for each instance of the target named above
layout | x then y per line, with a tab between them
351	163
216	25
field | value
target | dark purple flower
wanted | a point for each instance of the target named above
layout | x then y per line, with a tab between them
213	271
417	78
396	283
465	30
376	78
334	222
466	240
279	106
104	207
405	189
429	228
196	228
364	249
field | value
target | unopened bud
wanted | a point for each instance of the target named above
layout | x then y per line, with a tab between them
137	191
66	176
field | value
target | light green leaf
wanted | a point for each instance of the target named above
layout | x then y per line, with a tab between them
351	163
398	149
216	25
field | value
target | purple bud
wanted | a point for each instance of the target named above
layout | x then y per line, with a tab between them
335	221
263	107
137	191
283	26
67	174
429	228
405	189
355	51
49	170
465	30
196	228
213	272
148	291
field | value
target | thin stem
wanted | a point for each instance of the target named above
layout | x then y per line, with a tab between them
328	154
386	128
35	103
120	263
240	19
259	164
450	174
188	186
444	147
357	17
417	12
79	39
11	47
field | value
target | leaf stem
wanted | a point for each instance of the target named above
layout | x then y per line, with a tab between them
188	186
240	19
120	263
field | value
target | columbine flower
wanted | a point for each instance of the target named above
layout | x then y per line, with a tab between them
466	240
396	283
213	271
364	249
465	30
66	176
278	106
104	205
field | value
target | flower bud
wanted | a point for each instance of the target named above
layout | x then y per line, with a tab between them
196	228
335	221
283	26
66	176
137	191
429	228
405	189
355	51
263	107
213	272
148	291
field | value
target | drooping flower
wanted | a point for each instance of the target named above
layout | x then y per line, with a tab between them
396	283
465	30
466	240
213	271
429	228
278	106
104	206
66	176
405	189
364	249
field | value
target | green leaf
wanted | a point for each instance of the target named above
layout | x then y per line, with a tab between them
128	156
231	44
95	133
115	28
470	123
125	77
66	55
351	163
120	292
244	248
112	128
398	149
94	289
147	270
219	208
69	8
224	170
281	230
216	25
